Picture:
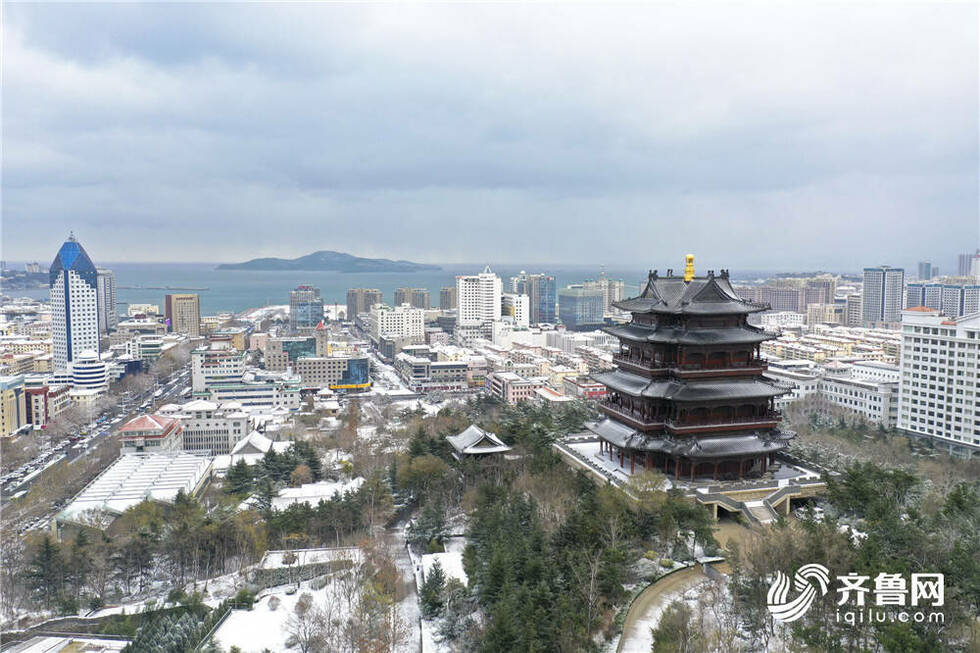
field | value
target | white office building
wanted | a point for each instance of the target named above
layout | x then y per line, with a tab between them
217	363
940	378
402	321
106	294
516	308
74	304
479	297
210	427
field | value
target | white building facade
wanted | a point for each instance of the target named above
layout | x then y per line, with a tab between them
479	297
106	294
940	379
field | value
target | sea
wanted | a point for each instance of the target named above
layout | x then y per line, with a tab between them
239	290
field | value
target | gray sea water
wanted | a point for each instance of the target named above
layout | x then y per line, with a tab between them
238	290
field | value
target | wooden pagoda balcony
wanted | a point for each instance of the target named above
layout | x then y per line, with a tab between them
687	427
630	417
752	368
689	371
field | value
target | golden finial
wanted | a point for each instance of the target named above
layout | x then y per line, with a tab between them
689	267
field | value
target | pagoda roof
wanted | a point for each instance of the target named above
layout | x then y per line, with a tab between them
751	444
689	391
709	295
739	335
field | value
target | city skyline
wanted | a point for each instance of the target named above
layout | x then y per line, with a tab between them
573	131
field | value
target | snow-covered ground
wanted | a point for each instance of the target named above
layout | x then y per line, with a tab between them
274	559
266	627
590	452
312	493
451	563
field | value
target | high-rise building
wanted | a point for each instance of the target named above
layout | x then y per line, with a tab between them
965	261
852	310
106	299
580	308
824	287
924	294
925	270
479	297
542	294
448	298
883	295
516	307
360	300
183	314
73	282
613	289
953	300
940	364
305	308
414	297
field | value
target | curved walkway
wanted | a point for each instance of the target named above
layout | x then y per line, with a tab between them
645	611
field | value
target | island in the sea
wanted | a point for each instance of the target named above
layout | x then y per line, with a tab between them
329	261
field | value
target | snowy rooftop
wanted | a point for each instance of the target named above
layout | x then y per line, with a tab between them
312	493
135	477
93	644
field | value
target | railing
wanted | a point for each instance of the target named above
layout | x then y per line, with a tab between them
770	419
633	418
780	494
689	369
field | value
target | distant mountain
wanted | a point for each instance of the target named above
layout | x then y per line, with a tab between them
329	261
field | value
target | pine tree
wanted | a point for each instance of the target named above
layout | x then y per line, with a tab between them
46	572
431	592
264	493
239	479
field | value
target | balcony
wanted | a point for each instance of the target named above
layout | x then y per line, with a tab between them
751	368
769	420
647	368
690	371
632	418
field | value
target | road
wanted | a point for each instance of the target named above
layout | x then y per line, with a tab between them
23	478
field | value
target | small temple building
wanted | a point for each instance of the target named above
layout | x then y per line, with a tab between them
474	441
688	397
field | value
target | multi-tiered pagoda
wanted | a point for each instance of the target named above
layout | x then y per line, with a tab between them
688	397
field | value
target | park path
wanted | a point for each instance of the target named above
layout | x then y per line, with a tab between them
646	610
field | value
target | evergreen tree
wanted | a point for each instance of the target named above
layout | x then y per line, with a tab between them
45	573
431	592
239	479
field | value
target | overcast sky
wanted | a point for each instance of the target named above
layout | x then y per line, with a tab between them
757	137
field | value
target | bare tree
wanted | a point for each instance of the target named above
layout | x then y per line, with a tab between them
306	625
587	571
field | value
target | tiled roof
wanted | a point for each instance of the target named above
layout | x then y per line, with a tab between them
148	423
699	296
622	436
682	336
683	391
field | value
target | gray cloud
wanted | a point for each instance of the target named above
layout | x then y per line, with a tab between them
832	136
